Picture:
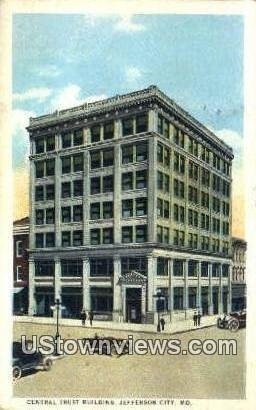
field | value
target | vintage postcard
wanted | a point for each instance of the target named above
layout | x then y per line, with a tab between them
129	278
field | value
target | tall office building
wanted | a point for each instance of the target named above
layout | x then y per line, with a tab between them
130	211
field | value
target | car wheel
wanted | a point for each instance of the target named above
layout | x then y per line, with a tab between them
16	373
47	364
233	325
219	323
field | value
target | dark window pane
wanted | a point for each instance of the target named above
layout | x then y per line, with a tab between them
78	162
95	133
78	137
127	181
50	143
39	145
39	240
50	239
107	210
127	126
95	159
95	210
66	214
108	183
39	169
39	216
95	236
127	154
77	213
66	140
95	185
77	238
108	130
141	206
66	165
50	167
141	179
127	208
141	123
107	235
66	238
50	192
141	233
50	215
65	189
78	187
142	152
39	194
126	234
108	158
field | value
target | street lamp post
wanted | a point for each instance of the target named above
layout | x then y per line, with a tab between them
57	306
159	296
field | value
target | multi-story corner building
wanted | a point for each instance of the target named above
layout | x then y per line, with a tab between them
20	265
239	247
129	197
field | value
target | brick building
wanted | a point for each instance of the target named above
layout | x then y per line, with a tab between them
130	197
20	265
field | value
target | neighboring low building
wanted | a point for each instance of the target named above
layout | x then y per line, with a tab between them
239	274
20	265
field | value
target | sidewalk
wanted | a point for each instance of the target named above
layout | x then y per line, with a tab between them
171	328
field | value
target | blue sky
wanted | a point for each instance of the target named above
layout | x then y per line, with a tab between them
64	60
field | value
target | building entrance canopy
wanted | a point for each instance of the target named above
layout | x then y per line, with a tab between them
132	278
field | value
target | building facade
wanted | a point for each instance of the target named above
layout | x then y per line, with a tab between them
130	198
239	247
20	265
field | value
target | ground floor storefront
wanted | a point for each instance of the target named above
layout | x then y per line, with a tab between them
137	287
238	296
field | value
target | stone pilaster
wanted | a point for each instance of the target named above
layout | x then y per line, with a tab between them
198	294
57	282
86	198
143	303
117	195
31	289
57	187
117	296
220	290
86	285
185	301
229	307
152	189
210	297
32	204
152	261
152	121
170	271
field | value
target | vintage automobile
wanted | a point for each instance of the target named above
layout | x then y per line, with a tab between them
23	362
232	321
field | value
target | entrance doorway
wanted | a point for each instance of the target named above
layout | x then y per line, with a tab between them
204	300
215	300
133	305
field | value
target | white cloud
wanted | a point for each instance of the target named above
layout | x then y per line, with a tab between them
127	25
20	139
49	70
71	96
132	74
39	93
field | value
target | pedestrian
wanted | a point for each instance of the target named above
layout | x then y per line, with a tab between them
195	319
91	315
199	318
158	329
162	323
83	317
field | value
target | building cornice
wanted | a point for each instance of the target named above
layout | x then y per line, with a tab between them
114	104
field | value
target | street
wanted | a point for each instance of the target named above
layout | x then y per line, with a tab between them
181	376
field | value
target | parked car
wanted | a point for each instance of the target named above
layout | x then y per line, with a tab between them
22	362
232	321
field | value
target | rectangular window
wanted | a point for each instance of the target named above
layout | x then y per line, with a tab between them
95	159
77	213
95	210
71	268
39	194
159	207
107	235
127	234
107	210
141	206
142	152
19	248
66	238
78	187
95	185
66	165
44	268
50	215
108	183
178	266
160	153
50	143
50	167
127	154
127	208
39	216
101	267
162	266
66	214
108	157
39	143
77	238
95	236
127	126
19	273
192	297
78	137
166	183
141	123
108	130
141	233
39	165
65	189
160	180
141	179
166	235
50	193
78	162
95	133
66	140
39	240
50	239
127	181
178	298
159	233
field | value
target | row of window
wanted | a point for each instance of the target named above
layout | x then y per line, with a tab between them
193	196
168	130
192	268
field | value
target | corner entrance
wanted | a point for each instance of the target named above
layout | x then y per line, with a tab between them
133	305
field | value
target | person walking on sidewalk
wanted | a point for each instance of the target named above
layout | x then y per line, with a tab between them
83	317
199	318
91	315
162	323
195	318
